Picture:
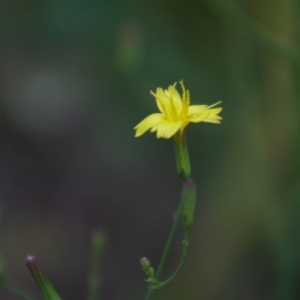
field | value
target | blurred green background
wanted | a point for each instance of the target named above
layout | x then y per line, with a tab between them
75	78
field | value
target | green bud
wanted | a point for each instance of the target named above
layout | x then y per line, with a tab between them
45	286
189	194
146	266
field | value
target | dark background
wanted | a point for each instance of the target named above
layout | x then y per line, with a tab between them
75	78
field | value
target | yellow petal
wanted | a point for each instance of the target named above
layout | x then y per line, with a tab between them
207	115
196	109
213	116
166	128
176	113
175	101
162	101
147	124
185	100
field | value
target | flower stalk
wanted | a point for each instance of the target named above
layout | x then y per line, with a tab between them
182	155
189	203
175	115
185	212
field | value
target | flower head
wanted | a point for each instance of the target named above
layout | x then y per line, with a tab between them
176	113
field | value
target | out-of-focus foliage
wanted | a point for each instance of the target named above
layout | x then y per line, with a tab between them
75	78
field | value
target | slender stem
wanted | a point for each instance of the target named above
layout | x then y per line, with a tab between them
186	204
182	155
183	259
168	244
169	241
98	245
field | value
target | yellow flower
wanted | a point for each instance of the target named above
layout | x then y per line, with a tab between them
176	113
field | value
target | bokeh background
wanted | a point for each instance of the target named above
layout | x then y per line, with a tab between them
75	78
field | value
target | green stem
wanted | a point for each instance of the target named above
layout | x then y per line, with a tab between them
98	245
183	259
168	244
182	155
185	210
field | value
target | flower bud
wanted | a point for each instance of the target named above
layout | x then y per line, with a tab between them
45	286
146	266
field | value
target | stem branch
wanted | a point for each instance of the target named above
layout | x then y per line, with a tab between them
168	244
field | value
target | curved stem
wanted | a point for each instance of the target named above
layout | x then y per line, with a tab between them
183	259
169	241
168	244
